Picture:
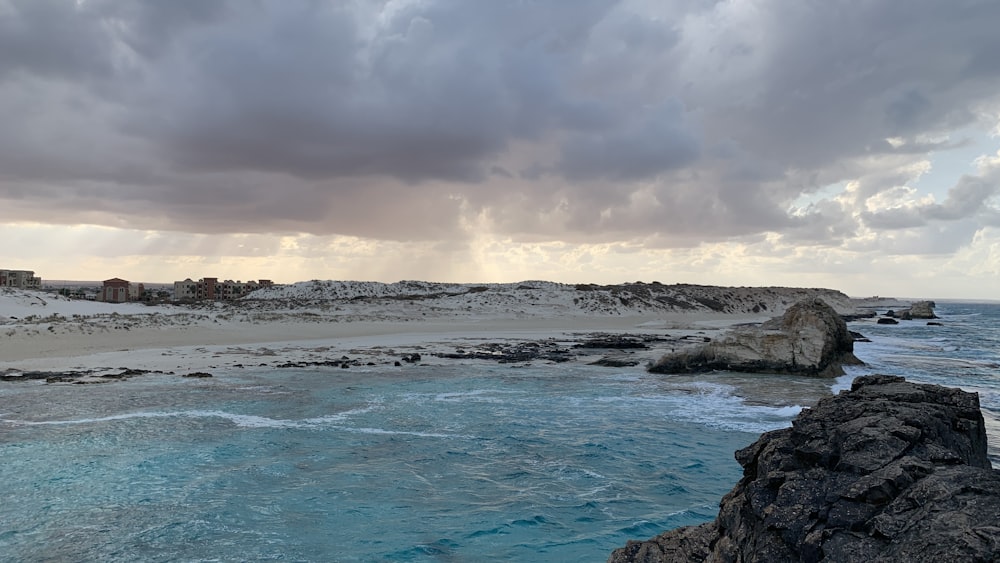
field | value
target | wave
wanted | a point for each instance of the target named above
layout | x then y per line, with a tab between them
716	406
383	431
242	420
479	395
343	415
247	421
843	383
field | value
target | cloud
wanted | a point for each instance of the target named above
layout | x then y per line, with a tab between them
52	38
667	124
971	201
662	141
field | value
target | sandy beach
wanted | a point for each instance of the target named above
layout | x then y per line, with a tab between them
204	347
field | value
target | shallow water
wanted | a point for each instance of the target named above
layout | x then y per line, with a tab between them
420	464
461	463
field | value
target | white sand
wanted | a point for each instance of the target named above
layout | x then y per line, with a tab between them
207	345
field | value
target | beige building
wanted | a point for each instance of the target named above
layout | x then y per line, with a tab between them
212	288
21	279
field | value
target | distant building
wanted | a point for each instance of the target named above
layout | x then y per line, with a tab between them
115	290
213	289
21	279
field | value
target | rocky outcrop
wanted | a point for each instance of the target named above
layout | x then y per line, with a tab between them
809	339
889	471
920	310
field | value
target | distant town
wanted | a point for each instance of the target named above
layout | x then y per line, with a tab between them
118	290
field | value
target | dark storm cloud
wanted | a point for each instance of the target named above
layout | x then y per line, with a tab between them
425	93
152	25
591	120
662	141
52	38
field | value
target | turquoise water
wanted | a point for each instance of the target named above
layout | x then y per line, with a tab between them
455	463
484	463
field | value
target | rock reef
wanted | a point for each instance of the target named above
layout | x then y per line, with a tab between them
809	339
888	471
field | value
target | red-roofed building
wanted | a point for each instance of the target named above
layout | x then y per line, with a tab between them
115	290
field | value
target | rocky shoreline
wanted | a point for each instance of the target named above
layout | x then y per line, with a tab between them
888	471
810	338
589	348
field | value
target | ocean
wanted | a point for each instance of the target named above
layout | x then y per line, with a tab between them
457	463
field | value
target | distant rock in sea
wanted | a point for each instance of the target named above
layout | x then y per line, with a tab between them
809	339
920	310
888	471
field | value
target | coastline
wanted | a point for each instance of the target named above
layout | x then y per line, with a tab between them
244	352
204	346
40	331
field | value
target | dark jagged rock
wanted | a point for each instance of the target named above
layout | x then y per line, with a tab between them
695	338
889	471
887	321
615	342
63	377
197	374
809	339
344	362
114	376
513	352
83	376
14	375
858	337
132	372
615	362
858	316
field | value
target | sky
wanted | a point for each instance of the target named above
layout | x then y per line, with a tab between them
821	143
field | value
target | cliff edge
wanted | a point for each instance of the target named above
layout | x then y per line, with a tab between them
888	471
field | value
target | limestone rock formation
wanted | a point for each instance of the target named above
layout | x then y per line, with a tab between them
809	339
920	310
889	471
